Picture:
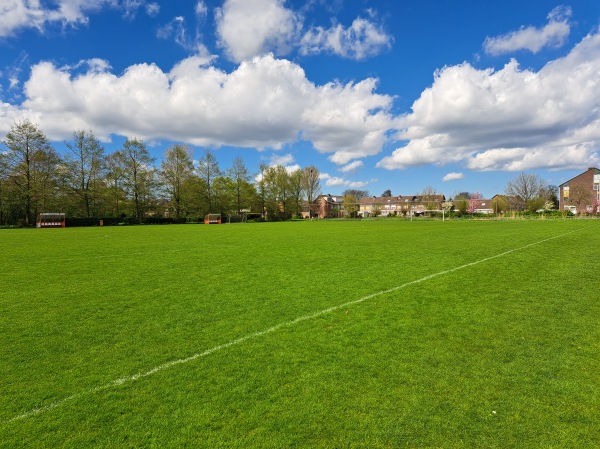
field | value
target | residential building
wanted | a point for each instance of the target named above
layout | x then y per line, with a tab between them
581	194
400	205
480	206
329	206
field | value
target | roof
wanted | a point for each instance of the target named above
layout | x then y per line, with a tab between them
331	198
596	171
383	200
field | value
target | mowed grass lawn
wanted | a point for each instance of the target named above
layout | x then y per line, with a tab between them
315	334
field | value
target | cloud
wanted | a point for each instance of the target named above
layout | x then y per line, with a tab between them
152	9
263	103
292	168
511	119
352	167
335	181
284	159
453	177
175	29
201	9
361	40
22	14
554	34
349	120
18	14
247	28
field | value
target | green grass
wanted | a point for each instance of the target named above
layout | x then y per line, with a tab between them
497	354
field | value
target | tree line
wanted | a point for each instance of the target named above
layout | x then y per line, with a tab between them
86	182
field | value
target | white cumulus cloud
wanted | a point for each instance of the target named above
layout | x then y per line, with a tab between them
554	34
247	28
359	41
283	159
21	14
511	119
352	167
263	103
453	176
336	181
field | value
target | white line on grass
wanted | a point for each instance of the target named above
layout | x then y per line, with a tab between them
164	366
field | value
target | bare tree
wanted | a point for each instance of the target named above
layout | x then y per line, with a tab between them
262	188
581	197
524	188
358	194
208	170
311	185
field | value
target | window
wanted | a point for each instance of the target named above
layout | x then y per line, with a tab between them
596	186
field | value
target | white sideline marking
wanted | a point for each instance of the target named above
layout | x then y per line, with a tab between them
164	366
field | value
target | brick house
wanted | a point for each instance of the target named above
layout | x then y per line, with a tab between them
581	194
400	205
329	206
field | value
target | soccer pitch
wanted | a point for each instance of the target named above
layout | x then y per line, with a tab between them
380	333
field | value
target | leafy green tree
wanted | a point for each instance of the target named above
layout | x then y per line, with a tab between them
28	149
296	190
535	204
224	201
240	177
461	202
175	169
351	205
194	201
115	183
45	181
550	193
84	164
4	188
277	186
138	174
500	204
376	209
387	193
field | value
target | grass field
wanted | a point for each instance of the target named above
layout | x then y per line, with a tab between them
305	334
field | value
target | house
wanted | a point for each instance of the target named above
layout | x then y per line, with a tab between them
329	206
400	205
480	206
581	194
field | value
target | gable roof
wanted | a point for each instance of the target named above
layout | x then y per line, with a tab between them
596	172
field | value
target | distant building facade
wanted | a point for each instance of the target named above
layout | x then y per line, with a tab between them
581	194
400	205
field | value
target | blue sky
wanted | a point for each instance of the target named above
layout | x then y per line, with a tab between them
387	94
